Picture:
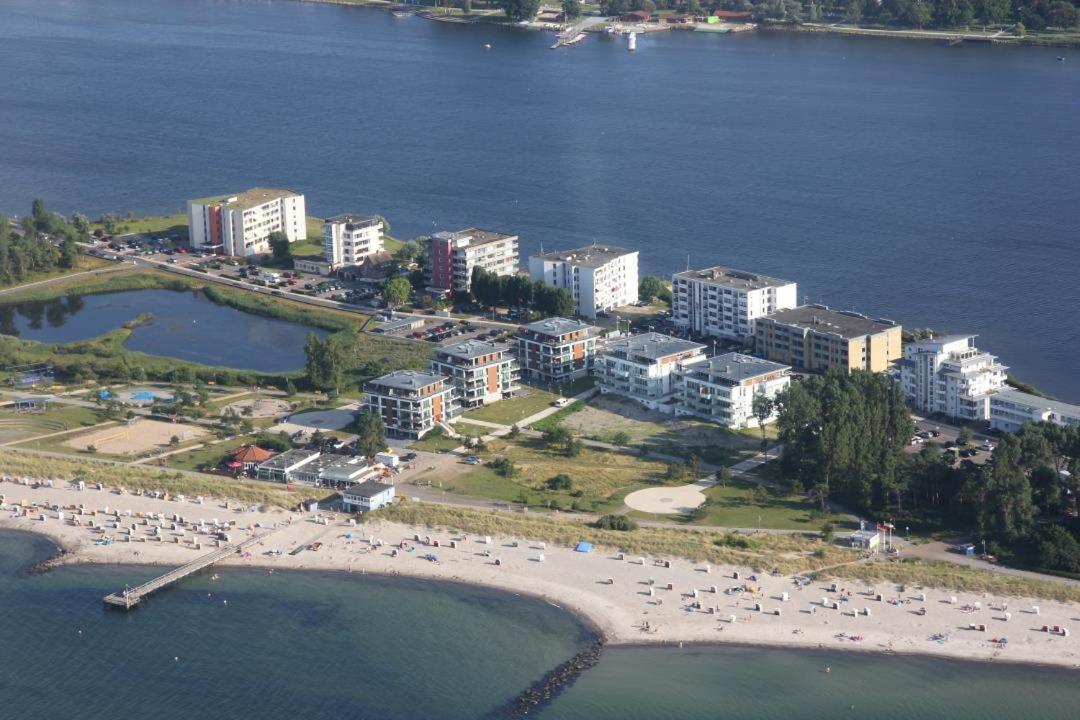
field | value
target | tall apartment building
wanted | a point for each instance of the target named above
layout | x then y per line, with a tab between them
241	224
1009	409
555	350
410	403
599	277
483	372
723	302
723	388
645	368
949	375
455	254
348	239
816	339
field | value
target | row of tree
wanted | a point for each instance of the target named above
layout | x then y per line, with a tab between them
40	242
518	291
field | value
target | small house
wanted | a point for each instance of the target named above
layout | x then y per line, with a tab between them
247	458
368	495
865	539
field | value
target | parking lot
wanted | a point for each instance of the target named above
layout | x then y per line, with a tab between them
945	436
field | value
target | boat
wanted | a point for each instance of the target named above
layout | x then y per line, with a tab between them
575	40
631	44
400	11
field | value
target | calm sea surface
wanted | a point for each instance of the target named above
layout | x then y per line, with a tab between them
934	185
350	647
185	325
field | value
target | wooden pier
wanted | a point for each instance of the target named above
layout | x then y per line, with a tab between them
130	597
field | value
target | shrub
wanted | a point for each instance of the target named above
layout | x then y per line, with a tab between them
735	540
505	467
562	481
621	439
616	522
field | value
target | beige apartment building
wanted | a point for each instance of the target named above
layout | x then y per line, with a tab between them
482	372
555	350
410	403
815	338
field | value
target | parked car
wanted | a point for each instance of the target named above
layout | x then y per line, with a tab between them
472	460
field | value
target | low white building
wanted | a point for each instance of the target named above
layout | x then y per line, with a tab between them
281	468
723	389
241	224
599	277
348	239
645	368
1009	409
949	375
368	495
724	302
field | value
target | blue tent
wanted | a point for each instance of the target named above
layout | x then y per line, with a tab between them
583	547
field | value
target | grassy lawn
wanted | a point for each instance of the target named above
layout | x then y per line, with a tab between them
509	412
85	263
600	478
152	225
209	455
470	430
735	506
436	443
57	419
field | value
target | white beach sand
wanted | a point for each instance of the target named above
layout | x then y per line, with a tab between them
579	582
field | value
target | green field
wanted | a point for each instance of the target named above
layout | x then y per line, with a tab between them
208	455
509	412
735	506
436	443
57	419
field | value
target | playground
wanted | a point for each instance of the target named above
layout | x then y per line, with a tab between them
260	407
136	438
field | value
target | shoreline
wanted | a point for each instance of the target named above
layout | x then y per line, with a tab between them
622	600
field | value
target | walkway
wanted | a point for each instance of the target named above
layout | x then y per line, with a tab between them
58	278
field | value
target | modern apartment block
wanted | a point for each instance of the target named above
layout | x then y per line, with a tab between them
723	302
816	339
949	375
483	372
410	403
555	350
348	239
1009	409
723	388
645	368
599	277
241	224
455	254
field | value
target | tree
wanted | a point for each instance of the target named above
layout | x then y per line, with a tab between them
518	10
650	288
573	448
762	407
572	9
616	522
370	434
621	439
396	291
515	431
1062	14
174	440
964	436
280	246
290	388
562	482
69	253
722	476
325	360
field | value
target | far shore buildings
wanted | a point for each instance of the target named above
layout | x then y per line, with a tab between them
814	338
723	388
1009	409
411	403
349	239
949	375
555	350
646	367
482	372
599	277
240	224
724	302
455	254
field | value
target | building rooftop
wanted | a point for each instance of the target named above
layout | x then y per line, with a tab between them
289	458
251	454
352	219
470	349
839	322
1045	404
246	199
651	346
474	236
736	367
732	278
366	489
591	257
407	380
556	326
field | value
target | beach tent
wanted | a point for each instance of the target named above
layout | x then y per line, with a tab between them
583	547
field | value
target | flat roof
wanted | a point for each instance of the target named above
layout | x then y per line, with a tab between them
732	278
820	318
1057	407
476	236
737	367
352	219
367	489
247	198
469	349
289	458
592	256
652	346
407	379
556	326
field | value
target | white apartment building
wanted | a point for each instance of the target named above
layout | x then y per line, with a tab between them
240	225
348	239
455	254
645	368
723	302
483	372
1009	409
600	277
949	375
555	350
723	389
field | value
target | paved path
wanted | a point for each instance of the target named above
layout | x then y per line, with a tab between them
58	278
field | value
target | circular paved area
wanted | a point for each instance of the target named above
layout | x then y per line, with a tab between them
667	500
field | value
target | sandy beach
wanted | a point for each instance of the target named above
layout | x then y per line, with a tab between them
631	600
